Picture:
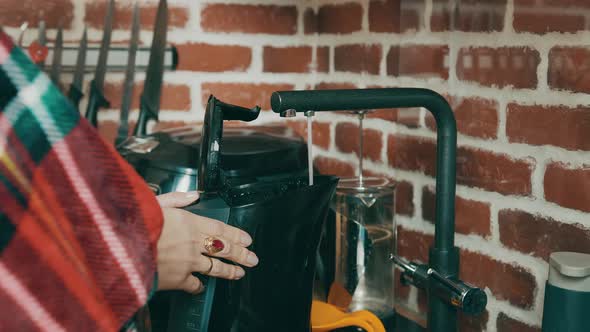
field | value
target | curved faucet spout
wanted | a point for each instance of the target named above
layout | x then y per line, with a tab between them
358	99
444	256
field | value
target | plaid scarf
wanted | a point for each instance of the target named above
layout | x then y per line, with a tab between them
78	226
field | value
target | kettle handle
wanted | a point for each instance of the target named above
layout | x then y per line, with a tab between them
235	112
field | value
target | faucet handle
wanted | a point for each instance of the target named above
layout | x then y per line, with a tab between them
470	299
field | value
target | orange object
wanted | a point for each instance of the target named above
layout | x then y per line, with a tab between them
326	317
38	52
338	296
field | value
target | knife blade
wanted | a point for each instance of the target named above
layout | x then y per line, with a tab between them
75	94
23	28
149	103
96	99
123	130
57	55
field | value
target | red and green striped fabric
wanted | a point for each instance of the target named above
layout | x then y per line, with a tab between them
78	226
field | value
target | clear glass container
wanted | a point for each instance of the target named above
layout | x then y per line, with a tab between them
365	238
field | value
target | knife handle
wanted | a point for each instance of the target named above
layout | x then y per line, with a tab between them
75	96
96	100
146	113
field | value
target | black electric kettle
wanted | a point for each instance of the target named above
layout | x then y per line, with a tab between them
284	215
168	161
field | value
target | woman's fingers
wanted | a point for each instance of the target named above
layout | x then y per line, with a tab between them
216	228
192	285
216	268
177	199
231	251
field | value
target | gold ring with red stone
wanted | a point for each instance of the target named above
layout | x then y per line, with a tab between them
213	245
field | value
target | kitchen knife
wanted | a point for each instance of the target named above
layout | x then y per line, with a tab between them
75	94
123	131
96	99
149	102
57	52
42	41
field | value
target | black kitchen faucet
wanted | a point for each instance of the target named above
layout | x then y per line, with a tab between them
446	293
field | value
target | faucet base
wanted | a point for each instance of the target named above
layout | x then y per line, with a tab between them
441	316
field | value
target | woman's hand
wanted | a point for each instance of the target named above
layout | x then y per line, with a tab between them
182	246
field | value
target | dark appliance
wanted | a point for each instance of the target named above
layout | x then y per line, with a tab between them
284	215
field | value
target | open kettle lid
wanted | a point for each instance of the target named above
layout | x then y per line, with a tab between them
366	185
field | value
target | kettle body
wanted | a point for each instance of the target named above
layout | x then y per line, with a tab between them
284	218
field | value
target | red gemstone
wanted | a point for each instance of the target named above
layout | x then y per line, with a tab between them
38	52
218	245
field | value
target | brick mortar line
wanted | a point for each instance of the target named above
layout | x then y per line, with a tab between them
78	19
365	18
422	119
494	222
509	17
420	37
543	69
301	7
383	62
180	35
332	146
538	179
417	188
385	148
195	94
428	7
194	18
331	56
493	313
502	119
245	77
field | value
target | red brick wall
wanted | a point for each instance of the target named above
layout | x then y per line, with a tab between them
517	73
